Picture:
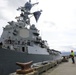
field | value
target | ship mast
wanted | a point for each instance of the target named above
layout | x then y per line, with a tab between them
25	13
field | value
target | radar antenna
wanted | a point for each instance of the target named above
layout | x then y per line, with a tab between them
26	12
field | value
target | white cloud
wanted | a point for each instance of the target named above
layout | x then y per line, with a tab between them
3	3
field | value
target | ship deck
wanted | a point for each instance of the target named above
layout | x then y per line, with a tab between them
66	68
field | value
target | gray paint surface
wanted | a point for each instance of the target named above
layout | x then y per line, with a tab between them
8	59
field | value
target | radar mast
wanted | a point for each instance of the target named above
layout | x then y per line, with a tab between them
26	13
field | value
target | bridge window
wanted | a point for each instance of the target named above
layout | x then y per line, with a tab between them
23	49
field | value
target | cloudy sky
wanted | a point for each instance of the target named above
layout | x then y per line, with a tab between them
57	23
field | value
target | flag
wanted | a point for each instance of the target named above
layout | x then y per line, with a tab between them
37	15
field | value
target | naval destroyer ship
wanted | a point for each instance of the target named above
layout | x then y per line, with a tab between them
21	42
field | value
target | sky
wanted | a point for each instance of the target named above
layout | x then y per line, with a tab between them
57	23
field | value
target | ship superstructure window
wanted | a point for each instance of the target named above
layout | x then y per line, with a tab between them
8	47
36	34
20	27
28	43
18	42
23	49
1	44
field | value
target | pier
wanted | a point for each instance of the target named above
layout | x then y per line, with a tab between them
66	68
58	68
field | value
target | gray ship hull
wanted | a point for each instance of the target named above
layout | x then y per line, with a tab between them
9	58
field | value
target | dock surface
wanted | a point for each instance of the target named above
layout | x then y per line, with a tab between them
65	68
